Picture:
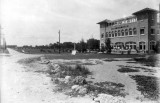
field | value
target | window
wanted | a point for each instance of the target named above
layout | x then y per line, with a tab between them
115	33
102	35
152	17
106	34
134	31
126	32
119	45
158	33
112	34
130	31
142	31
152	31
119	33
122	31
131	45
142	46
152	45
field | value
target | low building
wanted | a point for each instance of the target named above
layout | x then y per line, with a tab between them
139	31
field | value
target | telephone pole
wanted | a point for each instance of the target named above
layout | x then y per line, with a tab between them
59	42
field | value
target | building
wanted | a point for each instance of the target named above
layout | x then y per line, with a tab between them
139	31
2	42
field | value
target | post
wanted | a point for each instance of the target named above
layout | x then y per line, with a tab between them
0	36
59	41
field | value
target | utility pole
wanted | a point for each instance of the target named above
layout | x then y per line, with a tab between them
59	42
0	36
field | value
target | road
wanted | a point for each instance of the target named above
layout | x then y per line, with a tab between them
21	86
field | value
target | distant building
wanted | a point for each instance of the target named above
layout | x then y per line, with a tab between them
139	31
2	41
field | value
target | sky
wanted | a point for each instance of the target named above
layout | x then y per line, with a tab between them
37	22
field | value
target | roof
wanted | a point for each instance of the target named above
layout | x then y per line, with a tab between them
145	10
110	21
104	21
132	16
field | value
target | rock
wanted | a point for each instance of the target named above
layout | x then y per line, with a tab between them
105	98
74	87
56	66
82	90
116	100
44	60
61	80
79	89
68	79
80	80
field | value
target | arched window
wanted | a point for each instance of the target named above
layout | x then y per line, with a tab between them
106	34
134	31
122	31
112	33
115	33
119	45
130	31
131	45
126	31
119	33
152	45
142	45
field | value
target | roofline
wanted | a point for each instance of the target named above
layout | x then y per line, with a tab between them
145	9
110	21
104	21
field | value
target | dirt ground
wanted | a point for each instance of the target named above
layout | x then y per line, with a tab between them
18	85
21	86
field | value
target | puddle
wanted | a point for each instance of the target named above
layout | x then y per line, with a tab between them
147	85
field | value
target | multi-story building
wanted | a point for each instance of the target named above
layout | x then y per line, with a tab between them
139	31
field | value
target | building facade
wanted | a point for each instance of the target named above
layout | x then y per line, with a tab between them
139	31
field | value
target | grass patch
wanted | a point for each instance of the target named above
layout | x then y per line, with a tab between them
110	60
148	61
89	56
126	69
27	61
148	86
114	89
78	70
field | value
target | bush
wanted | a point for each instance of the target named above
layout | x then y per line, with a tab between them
78	70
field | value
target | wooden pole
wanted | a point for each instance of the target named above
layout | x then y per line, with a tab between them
59	41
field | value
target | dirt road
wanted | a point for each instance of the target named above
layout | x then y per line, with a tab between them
21	86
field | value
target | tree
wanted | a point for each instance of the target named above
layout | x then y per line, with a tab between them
157	47
108	45
93	44
81	46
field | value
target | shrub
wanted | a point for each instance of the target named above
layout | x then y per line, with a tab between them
78	70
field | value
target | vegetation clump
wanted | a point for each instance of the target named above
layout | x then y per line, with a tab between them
148	61
148	86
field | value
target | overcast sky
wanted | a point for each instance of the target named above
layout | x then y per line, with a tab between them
37	22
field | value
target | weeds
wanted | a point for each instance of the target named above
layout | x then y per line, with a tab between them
148	86
148	61
27	61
